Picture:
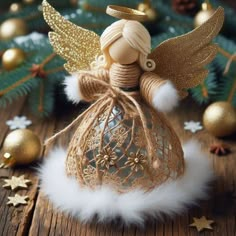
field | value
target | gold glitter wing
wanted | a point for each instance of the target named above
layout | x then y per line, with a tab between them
76	45
183	59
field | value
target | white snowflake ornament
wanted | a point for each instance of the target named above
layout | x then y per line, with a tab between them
192	126
18	122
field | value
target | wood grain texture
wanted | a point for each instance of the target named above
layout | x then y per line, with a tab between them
39	218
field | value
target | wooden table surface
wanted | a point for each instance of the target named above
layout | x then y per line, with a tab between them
39	217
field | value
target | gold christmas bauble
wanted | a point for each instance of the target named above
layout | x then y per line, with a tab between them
204	14
12	58
12	28
15	7
220	119
21	147
28	1
148	10
74	3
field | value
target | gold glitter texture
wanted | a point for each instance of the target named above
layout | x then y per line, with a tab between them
183	59
76	45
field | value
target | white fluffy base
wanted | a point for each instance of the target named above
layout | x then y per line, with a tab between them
166	97
72	88
133	207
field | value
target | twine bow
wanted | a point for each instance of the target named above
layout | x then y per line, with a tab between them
113	96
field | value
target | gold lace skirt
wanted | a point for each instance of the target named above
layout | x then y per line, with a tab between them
113	150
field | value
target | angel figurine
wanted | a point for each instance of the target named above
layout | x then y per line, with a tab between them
125	160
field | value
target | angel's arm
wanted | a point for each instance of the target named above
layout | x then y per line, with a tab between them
82	86
157	92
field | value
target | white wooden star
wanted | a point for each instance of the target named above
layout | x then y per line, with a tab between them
16	182
201	223
192	126
17	200
18	122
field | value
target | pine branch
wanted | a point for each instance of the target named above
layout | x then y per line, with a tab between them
232	94
41	100
226	49
42	71
204	92
41	65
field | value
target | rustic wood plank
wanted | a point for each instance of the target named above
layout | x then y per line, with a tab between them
47	221
16	221
6	114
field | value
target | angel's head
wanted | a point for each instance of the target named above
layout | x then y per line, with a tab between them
126	42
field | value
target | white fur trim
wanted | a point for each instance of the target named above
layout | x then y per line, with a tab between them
165	97
72	88
133	207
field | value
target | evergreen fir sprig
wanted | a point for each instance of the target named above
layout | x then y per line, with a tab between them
226	49
169	18
225	62
42	71
226	90
204	92
37	77
62	3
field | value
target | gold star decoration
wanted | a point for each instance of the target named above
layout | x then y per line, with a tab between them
16	182
17	200
202	223
3	166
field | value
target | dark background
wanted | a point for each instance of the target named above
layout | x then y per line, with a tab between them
232	3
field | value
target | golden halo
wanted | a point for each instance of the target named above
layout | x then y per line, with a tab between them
126	13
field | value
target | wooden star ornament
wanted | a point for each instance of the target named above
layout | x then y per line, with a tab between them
17	200
16	182
2	165
201	223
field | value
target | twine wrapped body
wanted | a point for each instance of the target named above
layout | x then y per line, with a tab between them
121	141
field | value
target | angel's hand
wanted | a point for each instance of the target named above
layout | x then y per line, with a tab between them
82	86
159	93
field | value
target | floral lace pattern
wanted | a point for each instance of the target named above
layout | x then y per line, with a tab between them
114	151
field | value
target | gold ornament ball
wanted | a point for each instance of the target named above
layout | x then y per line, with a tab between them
148	10
220	119
12	58
143	7
15	7
12	28
21	147
28	1
203	15
74	3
